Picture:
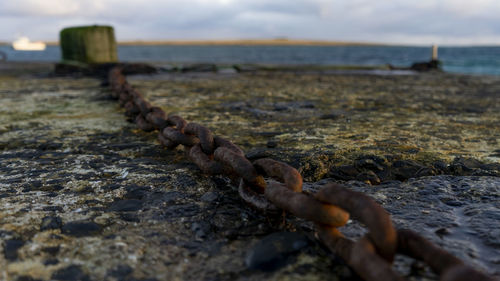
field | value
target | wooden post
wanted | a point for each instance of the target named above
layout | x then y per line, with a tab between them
434	52
88	44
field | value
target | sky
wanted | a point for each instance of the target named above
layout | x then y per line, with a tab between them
412	22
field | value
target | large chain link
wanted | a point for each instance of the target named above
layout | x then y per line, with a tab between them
270	185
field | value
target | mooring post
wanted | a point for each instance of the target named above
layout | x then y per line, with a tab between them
434	52
88	44
87	50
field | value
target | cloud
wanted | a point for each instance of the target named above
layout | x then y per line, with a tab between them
397	21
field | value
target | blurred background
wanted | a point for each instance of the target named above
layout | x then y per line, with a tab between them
357	32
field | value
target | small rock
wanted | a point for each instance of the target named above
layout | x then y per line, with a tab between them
257	154
51	262
440	166
51	250
81	228
199	230
274	250
344	172
405	169
126	205
50	222
121	271
368	177
334	115
468	163
209	197
442	231
369	164
70	273
272	143
10	249
135	192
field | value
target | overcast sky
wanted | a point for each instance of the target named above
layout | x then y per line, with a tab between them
419	22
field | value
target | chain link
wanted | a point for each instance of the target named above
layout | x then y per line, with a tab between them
371	256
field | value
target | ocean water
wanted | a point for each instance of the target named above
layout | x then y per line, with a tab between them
469	60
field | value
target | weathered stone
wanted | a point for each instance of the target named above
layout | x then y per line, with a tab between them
274	250
10	248
51	222
81	228
125	205
70	273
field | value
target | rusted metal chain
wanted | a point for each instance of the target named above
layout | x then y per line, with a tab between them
367	211
360	255
443	263
305	206
371	256
281	171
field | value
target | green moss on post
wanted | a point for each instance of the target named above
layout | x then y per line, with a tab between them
88	44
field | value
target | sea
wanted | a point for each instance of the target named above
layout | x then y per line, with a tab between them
466	60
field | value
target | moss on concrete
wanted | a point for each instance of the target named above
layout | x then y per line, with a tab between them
88	44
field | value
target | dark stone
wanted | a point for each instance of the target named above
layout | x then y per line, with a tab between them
258	153
130	217
10	249
121	271
81	228
70	273
209	197
275	250
344	172
369	177
405	169
129	205
373	163
52	208
112	186
136	192
440	166
36	184
200	230
426	171
442	232
201	67
51	250
468	164
51	262
53	187
171	212
426	66
334	115
272	143
50	222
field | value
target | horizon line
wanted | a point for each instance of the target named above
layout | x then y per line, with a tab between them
263	42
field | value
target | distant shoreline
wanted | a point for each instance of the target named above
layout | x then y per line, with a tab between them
249	42
242	42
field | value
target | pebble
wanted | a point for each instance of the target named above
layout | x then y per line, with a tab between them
129	205
274	250
209	197
81	228
10	249
50	222
70	273
121	271
272	143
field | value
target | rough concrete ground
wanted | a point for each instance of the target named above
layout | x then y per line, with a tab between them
84	195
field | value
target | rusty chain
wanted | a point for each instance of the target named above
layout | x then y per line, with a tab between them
270	185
